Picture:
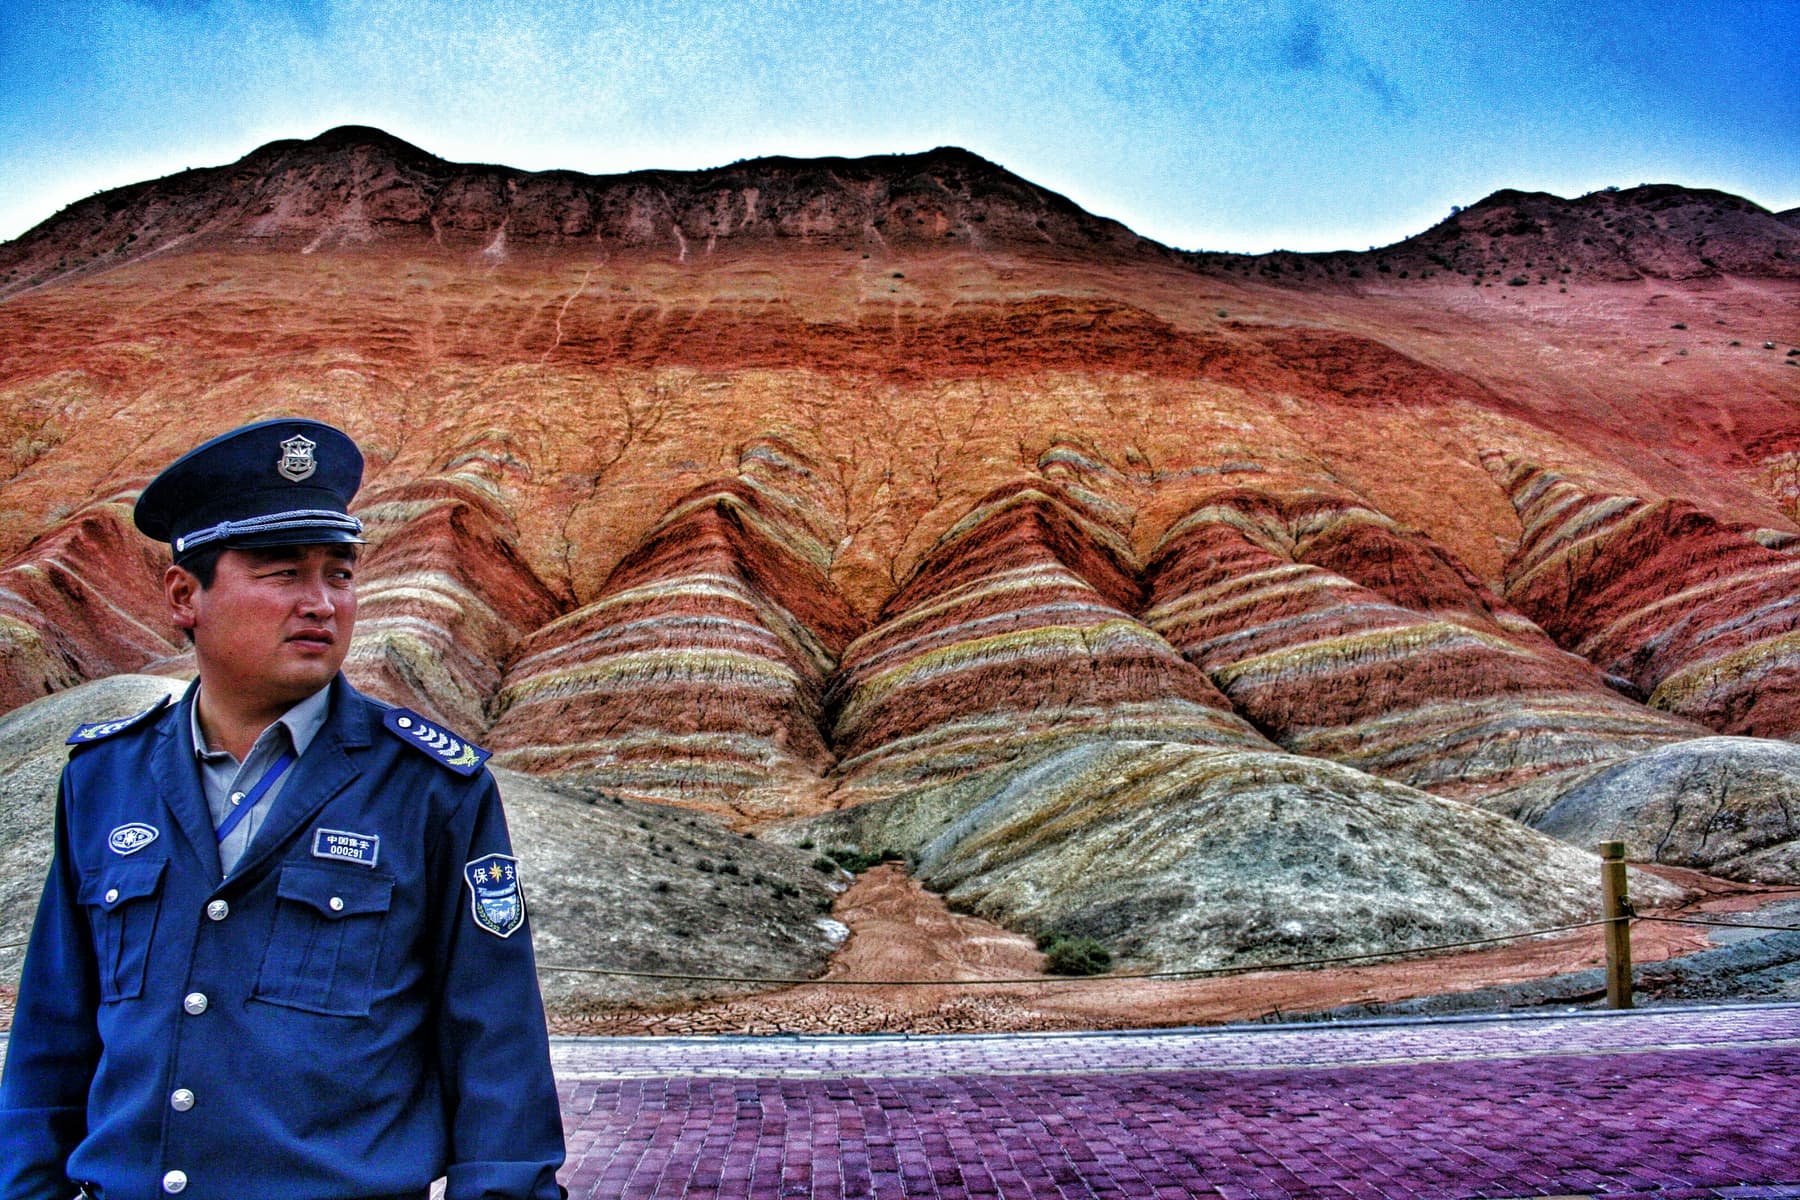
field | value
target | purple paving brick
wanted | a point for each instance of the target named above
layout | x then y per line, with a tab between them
1676	1105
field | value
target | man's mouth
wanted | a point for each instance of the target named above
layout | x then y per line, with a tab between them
319	638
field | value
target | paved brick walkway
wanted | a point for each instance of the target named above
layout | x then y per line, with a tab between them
1668	1104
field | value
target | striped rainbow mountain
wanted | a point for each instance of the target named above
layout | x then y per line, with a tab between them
897	499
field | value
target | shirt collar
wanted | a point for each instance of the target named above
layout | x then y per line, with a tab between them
302	722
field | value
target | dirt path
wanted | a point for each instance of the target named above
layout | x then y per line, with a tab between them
901	931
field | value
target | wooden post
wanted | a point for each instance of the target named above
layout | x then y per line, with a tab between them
1617	905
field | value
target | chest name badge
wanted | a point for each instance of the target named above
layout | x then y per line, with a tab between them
364	848
495	900
129	839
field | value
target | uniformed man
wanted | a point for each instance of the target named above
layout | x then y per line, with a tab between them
283	948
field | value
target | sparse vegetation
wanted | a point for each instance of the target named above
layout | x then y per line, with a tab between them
858	861
1065	955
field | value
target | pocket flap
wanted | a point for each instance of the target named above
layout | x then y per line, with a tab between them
122	882
335	893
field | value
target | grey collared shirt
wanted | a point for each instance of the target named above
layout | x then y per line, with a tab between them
228	782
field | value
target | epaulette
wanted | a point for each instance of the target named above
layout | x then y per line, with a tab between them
99	731
434	741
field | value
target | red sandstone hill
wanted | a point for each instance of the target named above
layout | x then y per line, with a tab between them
902	485
358	186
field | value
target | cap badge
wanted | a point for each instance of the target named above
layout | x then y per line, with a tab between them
297	461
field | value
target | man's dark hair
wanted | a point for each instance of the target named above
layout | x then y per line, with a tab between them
203	564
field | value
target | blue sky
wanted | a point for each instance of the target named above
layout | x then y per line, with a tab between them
1206	124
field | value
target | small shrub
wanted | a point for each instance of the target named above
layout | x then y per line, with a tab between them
1077	956
1517	281
825	865
858	861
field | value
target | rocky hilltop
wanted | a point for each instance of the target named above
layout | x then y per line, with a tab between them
1226	609
358	186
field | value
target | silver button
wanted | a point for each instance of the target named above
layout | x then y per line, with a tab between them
194	1003
404	722
237	797
112	894
218	910
337	904
181	1100
175	1181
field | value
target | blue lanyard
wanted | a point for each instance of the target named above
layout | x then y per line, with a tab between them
242	809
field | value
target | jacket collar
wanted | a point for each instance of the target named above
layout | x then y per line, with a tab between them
321	773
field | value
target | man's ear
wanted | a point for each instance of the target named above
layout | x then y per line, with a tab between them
182	589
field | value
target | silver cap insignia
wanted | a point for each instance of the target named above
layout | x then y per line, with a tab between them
297	461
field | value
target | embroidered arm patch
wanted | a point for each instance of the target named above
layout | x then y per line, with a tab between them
435	742
495	899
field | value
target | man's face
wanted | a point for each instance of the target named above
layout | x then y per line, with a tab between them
274	626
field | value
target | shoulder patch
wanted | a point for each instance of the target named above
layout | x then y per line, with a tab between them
99	731
435	742
496	901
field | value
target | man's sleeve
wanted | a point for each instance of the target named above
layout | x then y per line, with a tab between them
493	1052
55	1043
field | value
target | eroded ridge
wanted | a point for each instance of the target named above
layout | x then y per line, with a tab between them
697	675
1342	635
444	596
1013	637
1187	857
1699	616
81	602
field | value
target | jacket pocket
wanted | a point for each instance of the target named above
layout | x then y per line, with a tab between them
326	940
122	901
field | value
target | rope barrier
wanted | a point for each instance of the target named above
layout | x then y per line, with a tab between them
1720	924
1193	973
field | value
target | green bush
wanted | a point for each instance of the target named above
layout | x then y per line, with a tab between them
858	861
1076	956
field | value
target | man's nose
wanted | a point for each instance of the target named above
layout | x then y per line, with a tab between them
315	597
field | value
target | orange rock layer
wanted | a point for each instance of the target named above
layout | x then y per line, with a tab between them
698	674
1340	635
1016	635
1697	614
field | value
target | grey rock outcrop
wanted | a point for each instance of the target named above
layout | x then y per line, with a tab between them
1191	858
1729	806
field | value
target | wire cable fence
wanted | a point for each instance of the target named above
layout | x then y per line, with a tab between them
1023	980
1293	964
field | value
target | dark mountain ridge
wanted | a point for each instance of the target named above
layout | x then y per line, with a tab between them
357	186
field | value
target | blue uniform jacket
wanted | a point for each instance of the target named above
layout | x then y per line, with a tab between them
350	1014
